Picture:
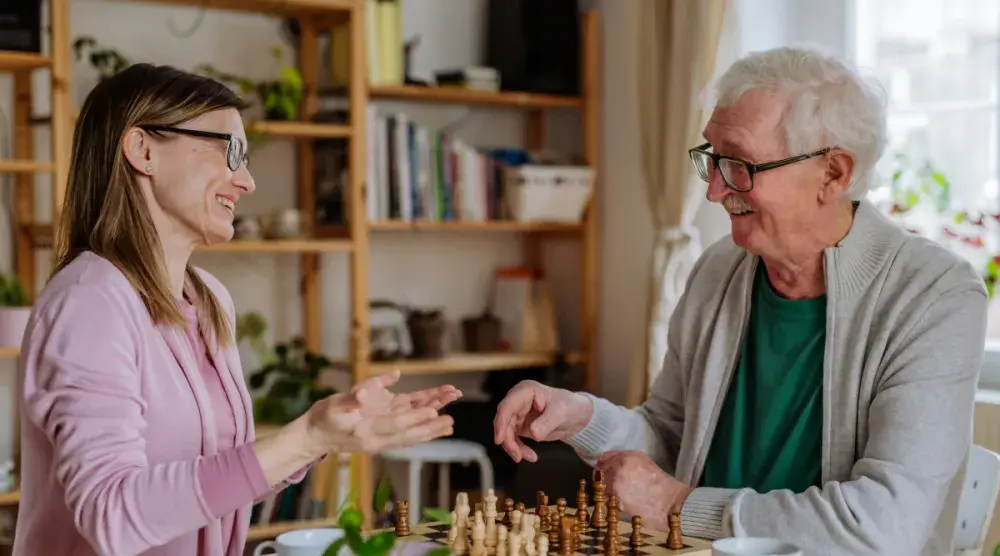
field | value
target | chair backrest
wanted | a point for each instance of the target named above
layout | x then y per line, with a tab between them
979	495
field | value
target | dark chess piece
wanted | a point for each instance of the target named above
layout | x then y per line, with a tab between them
508	512
566	536
635	540
582	519
599	519
520	507
402	518
675	541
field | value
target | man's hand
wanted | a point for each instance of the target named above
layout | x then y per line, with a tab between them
642	487
539	412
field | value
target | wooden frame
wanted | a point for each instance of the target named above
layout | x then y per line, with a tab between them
316	16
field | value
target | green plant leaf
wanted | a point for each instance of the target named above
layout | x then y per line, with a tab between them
350	517
382	493
440	551
437	515
380	544
335	548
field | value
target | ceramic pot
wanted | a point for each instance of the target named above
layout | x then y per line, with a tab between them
13	322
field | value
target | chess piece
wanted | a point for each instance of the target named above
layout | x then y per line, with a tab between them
501	541
508	512
528	533
490	509
541	503
519	507
561	508
453	530
543	545
514	544
566	535
613	511
582	519
599	518
478	536
675	540
612	538
515	522
402	518
635	540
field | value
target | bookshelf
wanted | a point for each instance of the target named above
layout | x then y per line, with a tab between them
317	17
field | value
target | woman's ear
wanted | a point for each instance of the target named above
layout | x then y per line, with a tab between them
138	150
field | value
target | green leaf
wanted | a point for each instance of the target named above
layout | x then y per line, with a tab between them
437	515
382	494
381	544
335	548
440	551
350	518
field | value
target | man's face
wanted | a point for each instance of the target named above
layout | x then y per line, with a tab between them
783	205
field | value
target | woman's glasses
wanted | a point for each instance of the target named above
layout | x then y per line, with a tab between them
235	149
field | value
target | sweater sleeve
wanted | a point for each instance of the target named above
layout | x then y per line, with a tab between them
920	424
82	389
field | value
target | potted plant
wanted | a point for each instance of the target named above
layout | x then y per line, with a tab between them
15	308
107	61
288	383
279	97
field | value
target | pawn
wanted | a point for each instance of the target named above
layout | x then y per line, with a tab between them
543	545
636	540
501	547
508	512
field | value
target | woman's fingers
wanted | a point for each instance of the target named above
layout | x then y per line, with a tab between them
436	397
393	422
429	430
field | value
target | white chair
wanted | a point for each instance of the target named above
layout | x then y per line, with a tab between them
443	453
975	505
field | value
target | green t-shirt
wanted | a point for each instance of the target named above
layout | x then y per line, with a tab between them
770	431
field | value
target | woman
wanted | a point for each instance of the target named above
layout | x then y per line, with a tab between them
137	429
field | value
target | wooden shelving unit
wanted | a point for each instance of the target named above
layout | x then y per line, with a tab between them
315	17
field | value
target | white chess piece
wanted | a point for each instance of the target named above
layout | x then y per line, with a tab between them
514	545
543	545
501	540
528	533
515	522
453	530
478	536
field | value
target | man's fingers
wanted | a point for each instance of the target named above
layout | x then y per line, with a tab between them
516	404
543	426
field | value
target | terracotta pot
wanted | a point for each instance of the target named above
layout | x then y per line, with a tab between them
13	322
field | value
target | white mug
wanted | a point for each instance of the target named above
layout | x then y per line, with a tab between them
304	542
754	546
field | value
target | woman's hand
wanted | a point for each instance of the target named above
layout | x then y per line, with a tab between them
371	418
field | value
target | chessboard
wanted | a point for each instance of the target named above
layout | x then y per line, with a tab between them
544	529
591	541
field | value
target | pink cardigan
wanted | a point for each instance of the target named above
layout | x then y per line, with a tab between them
119	450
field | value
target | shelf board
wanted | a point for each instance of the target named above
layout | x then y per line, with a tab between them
281	246
264	532
11	498
468	363
24	166
304	130
472	226
42	237
264	6
9	352
11	60
454	95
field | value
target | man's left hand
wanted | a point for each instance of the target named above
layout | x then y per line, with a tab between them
642	487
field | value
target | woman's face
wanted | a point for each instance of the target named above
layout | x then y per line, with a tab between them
192	192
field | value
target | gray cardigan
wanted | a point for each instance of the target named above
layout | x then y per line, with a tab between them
906	324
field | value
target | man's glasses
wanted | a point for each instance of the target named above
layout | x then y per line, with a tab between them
738	174
235	149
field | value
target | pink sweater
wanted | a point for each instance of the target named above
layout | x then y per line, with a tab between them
132	441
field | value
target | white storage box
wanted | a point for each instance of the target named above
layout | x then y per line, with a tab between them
548	193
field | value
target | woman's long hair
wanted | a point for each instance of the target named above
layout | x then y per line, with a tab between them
105	211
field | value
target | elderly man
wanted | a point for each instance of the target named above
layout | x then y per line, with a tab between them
822	363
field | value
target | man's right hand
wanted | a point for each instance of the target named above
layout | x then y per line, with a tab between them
541	413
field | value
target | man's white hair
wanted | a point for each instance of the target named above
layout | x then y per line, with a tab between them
830	104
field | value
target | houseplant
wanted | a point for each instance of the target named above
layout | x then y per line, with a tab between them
15	308
292	388
279	97
107	61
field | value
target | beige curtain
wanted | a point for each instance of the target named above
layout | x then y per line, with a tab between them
677	48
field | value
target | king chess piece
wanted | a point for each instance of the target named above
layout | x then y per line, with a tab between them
599	519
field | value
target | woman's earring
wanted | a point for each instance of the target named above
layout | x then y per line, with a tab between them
149	168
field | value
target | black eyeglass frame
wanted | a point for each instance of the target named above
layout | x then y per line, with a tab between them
228	137
752	168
